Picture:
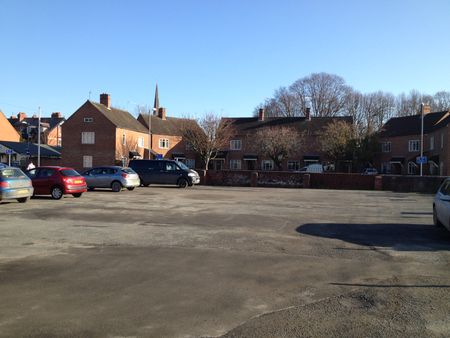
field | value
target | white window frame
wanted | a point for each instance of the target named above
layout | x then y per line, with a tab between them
267	165
431	142
235	145
413	146
87	161
88	137
235	164
140	142
88	119
163	143
386	147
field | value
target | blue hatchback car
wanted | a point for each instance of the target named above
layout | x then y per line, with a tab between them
14	184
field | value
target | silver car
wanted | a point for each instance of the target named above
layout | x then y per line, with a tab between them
113	177
441	205
14	184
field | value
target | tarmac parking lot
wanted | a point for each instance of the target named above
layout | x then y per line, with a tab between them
213	261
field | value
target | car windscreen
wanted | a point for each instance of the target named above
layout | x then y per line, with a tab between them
69	172
11	173
182	165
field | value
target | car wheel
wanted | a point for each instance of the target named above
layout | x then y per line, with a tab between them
182	183
130	188
436	221
116	186
78	194
57	193
22	200
145	184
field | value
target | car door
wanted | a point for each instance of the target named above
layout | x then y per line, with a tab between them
170	173
88	177
43	181
442	202
109	175
93	178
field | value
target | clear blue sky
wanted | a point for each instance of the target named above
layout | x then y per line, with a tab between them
223	56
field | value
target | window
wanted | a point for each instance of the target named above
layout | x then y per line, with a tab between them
190	163
445	189
431	142
164	143
235	145
235	164
412	168
267	165
87	161
124	139
140	142
88	119
386	147
87	137
414	145
442	140
293	165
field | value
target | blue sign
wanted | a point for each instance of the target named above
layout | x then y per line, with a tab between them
9	152
159	156
421	160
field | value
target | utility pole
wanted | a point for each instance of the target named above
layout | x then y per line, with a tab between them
39	139
421	141
149	135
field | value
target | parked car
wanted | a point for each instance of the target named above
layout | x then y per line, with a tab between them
441	205
14	184
312	168
113	177
164	172
370	171
57	181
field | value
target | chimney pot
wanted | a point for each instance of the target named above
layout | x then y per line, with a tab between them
261	114
162	113
21	116
56	115
105	99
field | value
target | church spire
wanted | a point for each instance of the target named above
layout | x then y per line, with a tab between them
156	103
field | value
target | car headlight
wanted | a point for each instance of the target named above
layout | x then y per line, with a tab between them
192	174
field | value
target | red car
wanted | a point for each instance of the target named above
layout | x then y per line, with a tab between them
57	181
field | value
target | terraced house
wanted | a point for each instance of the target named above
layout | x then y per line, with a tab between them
99	134
400	144
241	155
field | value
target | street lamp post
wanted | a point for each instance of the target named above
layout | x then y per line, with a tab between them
39	138
421	141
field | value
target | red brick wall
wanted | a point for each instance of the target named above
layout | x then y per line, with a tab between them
103	151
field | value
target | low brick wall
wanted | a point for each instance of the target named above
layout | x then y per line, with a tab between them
285	179
342	181
422	184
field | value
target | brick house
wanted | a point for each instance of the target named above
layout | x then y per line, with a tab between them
166	139
27	127
98	134
240	154
400	144
7	131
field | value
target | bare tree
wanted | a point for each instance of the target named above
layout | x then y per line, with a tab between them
376	109
207	135
326	93
277	143
336	139
441	101
123	149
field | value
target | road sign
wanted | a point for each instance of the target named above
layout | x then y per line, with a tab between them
159	156
421	160
9	152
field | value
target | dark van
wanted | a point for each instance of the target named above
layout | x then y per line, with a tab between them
164	172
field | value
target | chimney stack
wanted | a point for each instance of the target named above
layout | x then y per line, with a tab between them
162	113
105	100
261	114
426	109
56	115
308	113
21	116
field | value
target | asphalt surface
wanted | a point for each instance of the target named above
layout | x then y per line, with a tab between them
213	261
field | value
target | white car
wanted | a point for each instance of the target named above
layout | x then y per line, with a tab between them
441	205
312	168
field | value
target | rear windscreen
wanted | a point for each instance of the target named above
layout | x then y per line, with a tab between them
69	172
128	171
12	172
